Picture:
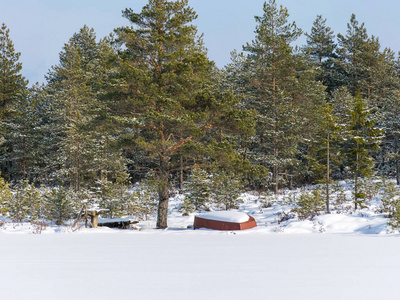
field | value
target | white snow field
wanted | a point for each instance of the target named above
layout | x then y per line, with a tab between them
344	255
202	264
173	264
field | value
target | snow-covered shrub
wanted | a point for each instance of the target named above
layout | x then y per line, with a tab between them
5	196
341	197
391	204
360	194
368	188
198	188
203	190
142	202
109	195
266	199
226	190
59	204
310	204
25	202
372	187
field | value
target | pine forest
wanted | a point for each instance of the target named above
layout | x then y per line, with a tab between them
125	121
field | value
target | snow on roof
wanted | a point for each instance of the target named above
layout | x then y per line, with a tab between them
225	216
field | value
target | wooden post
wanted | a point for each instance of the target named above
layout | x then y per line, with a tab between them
86	216
94	218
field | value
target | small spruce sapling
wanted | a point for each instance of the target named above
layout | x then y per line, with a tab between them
391	204
198	192
25	202
60	206
390	199
226	190
110	196
310	204
142	202
5	196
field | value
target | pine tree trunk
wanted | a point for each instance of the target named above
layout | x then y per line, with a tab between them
356	185
327	176
396	150
181	169
24	158
163	196
276	179
78	171
4	96
275	168
162	213
181	173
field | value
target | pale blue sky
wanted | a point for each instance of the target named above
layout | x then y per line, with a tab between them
39	28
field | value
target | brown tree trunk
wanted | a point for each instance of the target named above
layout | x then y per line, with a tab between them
181	173
356	185
327	175
181	168
275	173
162	213
396	150
24	158
163	195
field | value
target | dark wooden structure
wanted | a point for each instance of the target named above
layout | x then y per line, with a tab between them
94	213
116	223
223	225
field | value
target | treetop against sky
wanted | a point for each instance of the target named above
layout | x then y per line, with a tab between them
40	28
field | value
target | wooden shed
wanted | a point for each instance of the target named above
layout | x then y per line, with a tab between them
224	220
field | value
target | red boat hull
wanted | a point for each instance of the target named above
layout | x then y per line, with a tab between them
222	225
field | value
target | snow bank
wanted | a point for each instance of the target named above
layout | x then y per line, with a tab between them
225	216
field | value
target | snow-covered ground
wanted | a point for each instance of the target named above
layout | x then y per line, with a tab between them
181	264
348	255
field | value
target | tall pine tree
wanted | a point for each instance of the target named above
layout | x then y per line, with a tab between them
280	86
361	140
12	90
169	101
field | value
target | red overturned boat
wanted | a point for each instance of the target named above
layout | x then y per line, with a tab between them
224	220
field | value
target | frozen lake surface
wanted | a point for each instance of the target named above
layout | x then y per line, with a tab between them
202	264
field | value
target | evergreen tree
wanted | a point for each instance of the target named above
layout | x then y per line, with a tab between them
5	196
351	46
26	202
341	101
362	139
389	119
68	83
323	152
80	117
361	66
391	143
321	48
280	85
169	101
227	189
59	205
110	196
26	156
199	191
12	84
271	60
12	90
142	202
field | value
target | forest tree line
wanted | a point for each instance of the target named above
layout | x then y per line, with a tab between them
146	103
